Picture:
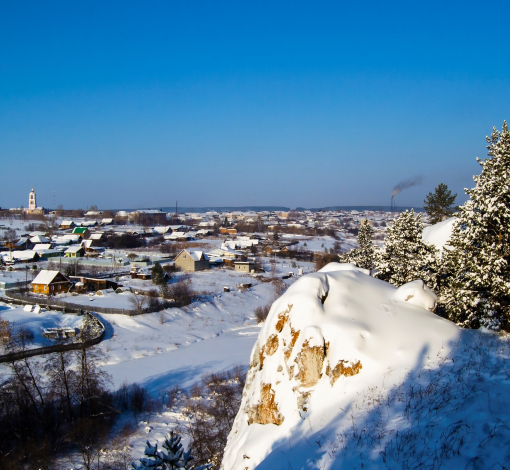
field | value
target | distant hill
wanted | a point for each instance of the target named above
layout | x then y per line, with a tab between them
361	208
278	208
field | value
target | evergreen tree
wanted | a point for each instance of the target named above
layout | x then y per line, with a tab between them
477	267
157	274
439	205
405	257
174	458
276	237
364	256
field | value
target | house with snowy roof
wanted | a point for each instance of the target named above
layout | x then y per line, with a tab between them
67	224
83	232
50	282
192	260
74	251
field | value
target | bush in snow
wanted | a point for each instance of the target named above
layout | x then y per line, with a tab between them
262	312
477	291
405	257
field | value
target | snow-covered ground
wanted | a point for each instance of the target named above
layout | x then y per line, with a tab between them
35	322
439	234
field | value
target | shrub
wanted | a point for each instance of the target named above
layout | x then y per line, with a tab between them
213	406
262	312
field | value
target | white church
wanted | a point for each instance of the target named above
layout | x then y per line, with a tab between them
32	205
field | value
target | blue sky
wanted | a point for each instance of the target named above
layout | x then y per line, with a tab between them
136	104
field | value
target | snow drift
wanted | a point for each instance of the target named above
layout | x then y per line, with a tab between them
439	234
335	336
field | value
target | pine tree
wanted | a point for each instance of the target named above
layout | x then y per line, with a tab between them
158	275
174	458
364	256
439	205
477	266
405	257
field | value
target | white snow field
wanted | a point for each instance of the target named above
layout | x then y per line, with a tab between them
35	322
203	337
350	372
439	234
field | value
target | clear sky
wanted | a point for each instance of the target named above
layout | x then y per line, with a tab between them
124	104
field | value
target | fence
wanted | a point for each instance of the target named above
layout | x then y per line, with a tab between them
69	307
14	356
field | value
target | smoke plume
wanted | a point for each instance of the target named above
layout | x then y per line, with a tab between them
409	183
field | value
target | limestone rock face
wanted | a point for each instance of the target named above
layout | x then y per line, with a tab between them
321	339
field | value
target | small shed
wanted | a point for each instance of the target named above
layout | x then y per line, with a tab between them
74	251
244	266
67	224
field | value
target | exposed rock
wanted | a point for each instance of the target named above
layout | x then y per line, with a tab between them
309	362
302	403
266	411
344	368
283	318
271	345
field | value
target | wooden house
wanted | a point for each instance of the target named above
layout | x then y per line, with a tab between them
50	282
74	251
191	261
67	224
83	232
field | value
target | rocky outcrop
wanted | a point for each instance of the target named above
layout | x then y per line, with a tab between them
320	341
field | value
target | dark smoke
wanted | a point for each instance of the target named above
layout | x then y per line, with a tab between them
406	184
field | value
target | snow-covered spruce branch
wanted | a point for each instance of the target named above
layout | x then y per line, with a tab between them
174	458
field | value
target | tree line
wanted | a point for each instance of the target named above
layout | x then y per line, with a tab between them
471	274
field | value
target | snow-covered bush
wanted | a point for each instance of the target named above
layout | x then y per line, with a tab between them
174	458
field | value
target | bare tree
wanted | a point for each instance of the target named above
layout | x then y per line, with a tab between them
138	301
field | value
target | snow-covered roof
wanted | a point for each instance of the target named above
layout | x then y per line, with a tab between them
21	255
21	241
45	276
42	246
73	249
73	238
162	228
39	239
37	232
195	255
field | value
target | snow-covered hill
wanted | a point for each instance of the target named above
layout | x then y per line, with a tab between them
439	234
351	372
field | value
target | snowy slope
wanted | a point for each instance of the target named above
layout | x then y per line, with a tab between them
344	361
440	233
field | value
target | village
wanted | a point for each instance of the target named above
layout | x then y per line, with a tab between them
104	251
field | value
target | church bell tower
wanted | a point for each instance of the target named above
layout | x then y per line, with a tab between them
31	201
